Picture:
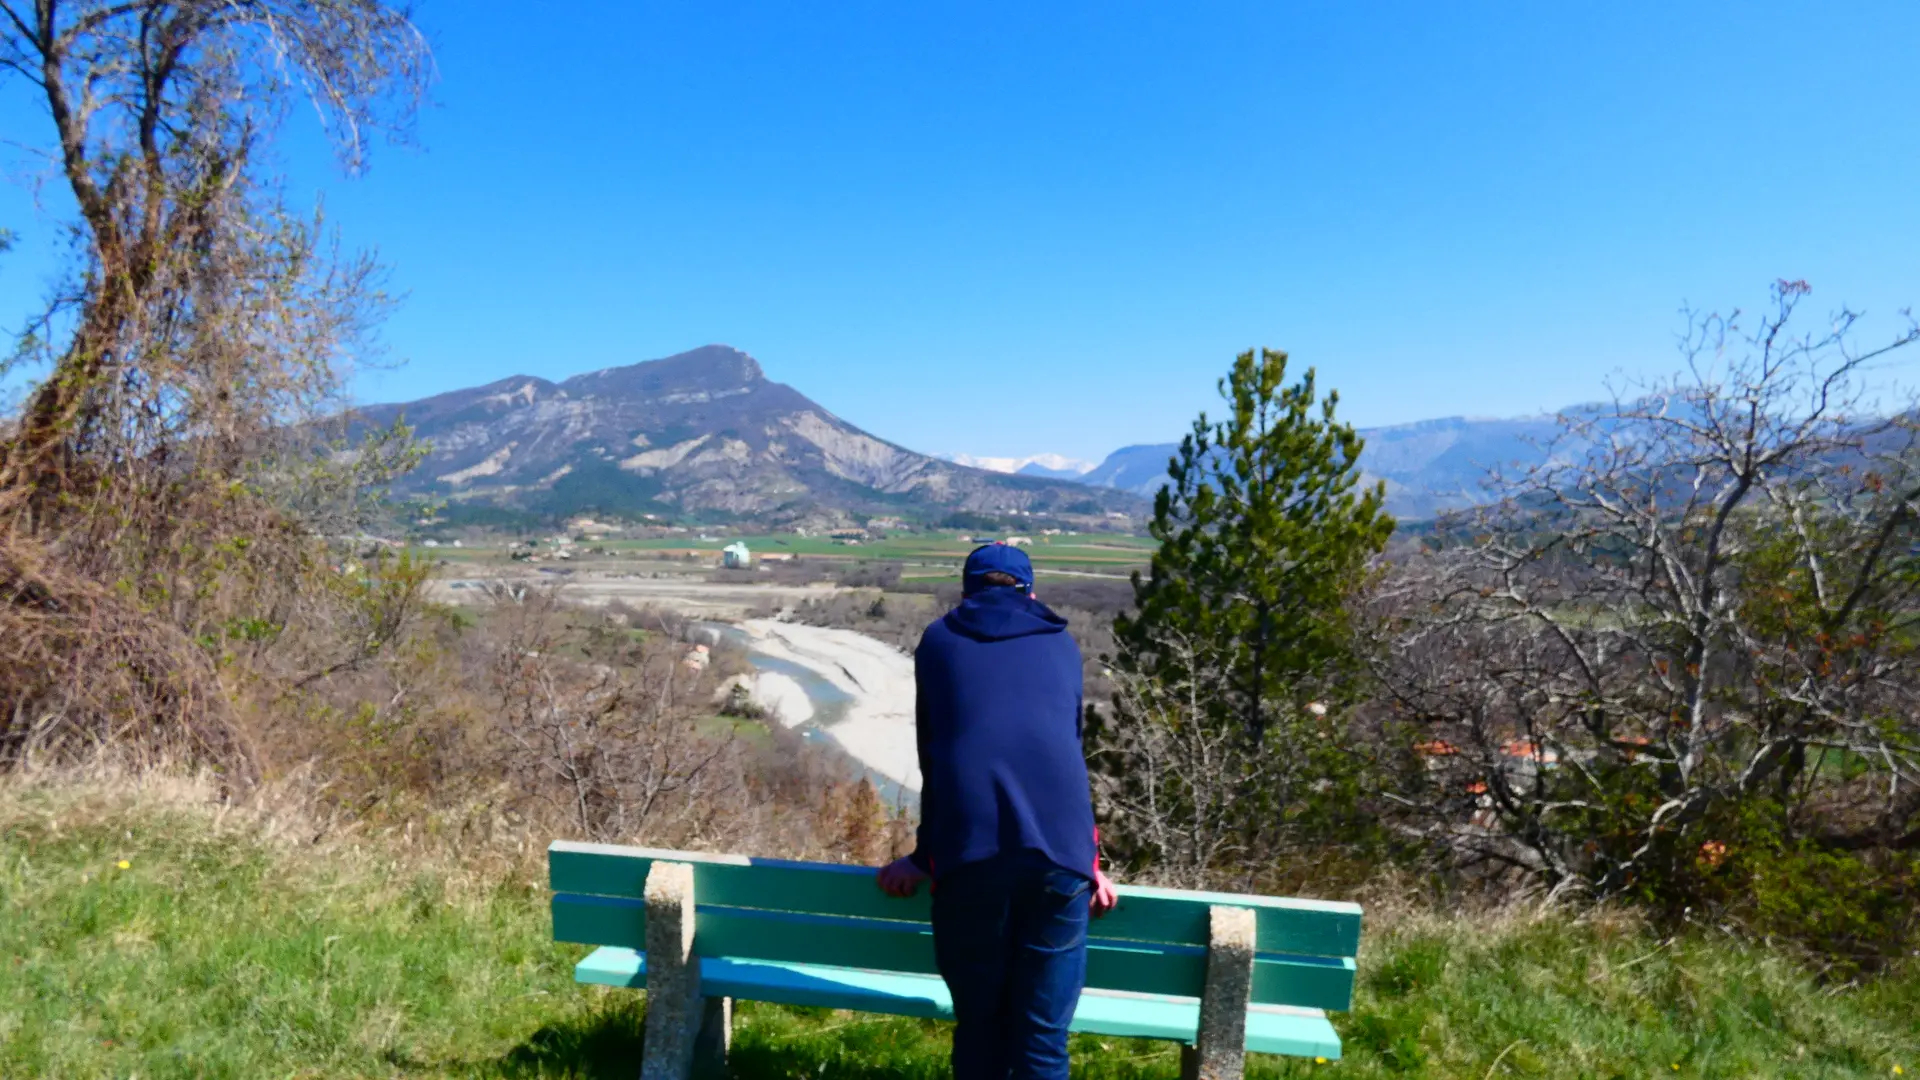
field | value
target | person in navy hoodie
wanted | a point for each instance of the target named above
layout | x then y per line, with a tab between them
1006	821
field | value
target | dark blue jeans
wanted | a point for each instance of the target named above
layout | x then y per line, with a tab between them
1010	937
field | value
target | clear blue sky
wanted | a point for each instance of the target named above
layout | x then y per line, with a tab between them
1014	228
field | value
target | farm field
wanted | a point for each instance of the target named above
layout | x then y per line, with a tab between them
1117	555
1112	550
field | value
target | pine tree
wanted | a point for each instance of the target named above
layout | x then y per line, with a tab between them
1264	533
1221	762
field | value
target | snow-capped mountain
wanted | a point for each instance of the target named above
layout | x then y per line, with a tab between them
1056	466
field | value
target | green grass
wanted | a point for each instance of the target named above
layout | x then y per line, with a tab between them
230	947
749	732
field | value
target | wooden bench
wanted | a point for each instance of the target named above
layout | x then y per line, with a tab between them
1220	973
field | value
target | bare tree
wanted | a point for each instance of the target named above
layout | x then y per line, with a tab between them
618	748
1173	786
1699	609
148	506
199	309
1192	803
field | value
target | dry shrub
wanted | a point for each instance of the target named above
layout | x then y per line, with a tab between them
143	609
532	719
868	832
85	667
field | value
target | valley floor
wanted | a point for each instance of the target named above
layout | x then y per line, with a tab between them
689	595
147	931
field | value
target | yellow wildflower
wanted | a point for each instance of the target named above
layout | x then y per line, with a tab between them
125	865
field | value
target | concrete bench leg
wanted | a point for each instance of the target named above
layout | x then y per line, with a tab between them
674	1006
1220	1050
715	1039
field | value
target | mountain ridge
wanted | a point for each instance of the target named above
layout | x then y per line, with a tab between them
705	434
702	433
1429	466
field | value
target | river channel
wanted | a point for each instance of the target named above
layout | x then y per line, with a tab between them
830	704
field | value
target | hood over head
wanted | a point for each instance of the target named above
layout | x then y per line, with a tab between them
1002	612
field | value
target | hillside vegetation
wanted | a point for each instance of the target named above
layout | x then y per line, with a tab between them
154	931
1671	679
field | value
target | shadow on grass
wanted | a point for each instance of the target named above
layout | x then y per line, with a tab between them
791	1043
599	1045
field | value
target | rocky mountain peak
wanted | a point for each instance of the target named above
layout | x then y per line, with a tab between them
700	432
711	370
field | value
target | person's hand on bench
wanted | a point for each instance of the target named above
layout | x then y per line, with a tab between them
901	878
1105	896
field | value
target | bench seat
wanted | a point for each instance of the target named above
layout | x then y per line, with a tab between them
1271	1029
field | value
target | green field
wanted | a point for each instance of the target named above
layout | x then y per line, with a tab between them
1102	554
145	932
1104	550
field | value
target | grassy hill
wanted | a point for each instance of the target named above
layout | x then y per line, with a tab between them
148	932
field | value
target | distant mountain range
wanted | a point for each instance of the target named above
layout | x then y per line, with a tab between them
1429	466
703	434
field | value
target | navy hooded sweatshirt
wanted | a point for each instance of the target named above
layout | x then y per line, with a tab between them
998	721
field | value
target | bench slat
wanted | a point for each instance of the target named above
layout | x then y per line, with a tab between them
1146	914
732	881
1163	916
747	934
1303	1033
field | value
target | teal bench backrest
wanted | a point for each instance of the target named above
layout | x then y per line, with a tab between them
821	913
